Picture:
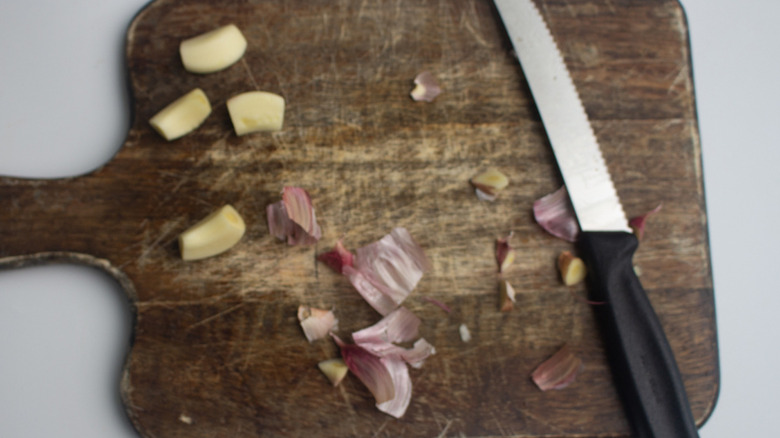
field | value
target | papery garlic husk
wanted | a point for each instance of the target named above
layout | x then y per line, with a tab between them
555	214
559	371
387	378
426	87
507	296
399	326
294	218
637	224
316	323
385	272
505	254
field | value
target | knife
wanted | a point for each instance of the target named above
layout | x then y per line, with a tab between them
643	365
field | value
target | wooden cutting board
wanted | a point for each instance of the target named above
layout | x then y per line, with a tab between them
217	350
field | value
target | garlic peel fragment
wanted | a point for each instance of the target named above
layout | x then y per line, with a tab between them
215	234
557	372
386	377
337	258
637	223
555	214
182	116
213	51
316	323
507	295
385	272
369	369
293	218
505	254
426	87
399	326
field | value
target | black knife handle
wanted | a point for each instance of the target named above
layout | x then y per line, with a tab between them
642	363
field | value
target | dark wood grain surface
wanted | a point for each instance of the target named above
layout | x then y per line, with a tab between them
217	350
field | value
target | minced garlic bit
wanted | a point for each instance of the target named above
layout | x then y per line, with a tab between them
505	254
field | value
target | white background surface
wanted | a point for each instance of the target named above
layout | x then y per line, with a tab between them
64	111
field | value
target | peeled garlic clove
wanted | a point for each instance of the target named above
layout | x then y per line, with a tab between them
334	369
182	116
255	111
213	235
214	50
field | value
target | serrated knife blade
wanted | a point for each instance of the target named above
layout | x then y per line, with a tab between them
643	365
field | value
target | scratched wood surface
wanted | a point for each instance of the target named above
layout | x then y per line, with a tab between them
217	350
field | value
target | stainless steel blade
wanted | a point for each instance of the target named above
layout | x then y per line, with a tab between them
574	143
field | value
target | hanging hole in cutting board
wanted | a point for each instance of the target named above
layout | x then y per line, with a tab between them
65	333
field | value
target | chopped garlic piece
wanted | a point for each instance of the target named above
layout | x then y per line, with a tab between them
488	183
334	369
213	235
572	268
214	50
182	116
256	111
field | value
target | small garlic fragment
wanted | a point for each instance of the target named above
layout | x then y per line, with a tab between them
572	268
465	334
255	111
213	235
505	254
214	50
426	88
487	184
316	323
334	369
182	116
507	295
